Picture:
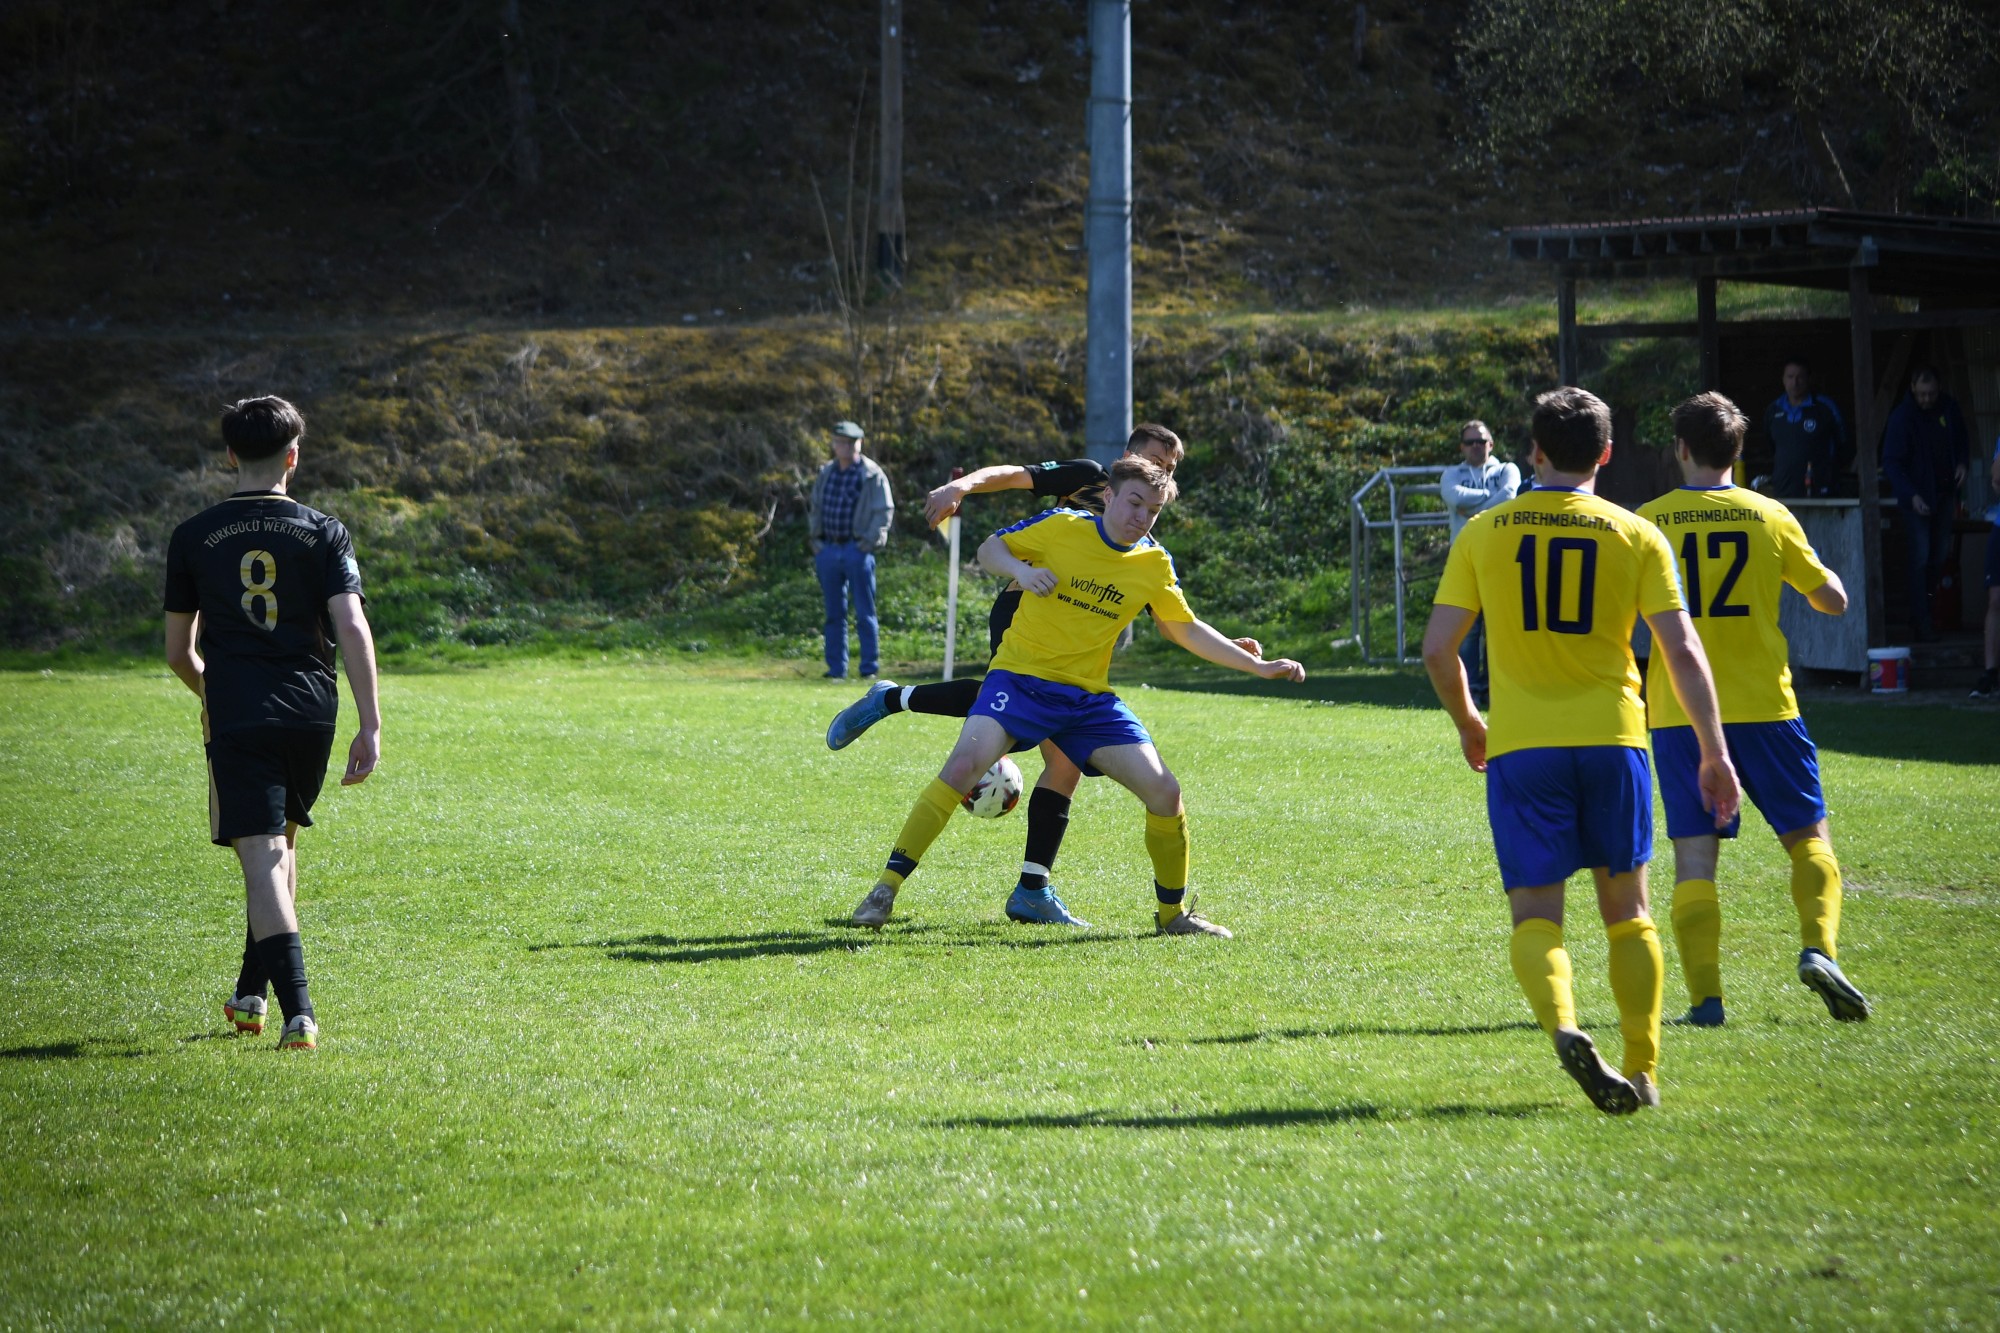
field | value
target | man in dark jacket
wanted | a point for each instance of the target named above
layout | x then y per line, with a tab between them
1807	435
1924	452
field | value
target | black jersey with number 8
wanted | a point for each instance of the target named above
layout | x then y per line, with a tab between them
260	568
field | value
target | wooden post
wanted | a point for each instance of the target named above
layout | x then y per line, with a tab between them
1711	351
1567	343
889	253
1867	440
1361	36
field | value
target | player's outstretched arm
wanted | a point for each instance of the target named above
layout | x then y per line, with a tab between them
183	658
1206	642
1447	629
943	502
1829	597
996	558
1694	686
357	654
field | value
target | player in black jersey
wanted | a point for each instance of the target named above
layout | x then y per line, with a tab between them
1078	483
259	590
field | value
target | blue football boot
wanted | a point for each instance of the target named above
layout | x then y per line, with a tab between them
1707	1014
857	717
1040	907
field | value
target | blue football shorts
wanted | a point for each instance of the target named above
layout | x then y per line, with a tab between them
1558	809
1080	723
1776	762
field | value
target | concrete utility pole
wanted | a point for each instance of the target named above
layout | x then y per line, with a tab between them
889	257
1107	234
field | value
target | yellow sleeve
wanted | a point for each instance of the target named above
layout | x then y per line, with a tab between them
1169	603
1029	539
1801	564
1458	587
1659	581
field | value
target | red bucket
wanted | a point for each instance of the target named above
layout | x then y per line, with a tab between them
1889	670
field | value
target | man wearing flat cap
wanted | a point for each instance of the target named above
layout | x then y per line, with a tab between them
850	517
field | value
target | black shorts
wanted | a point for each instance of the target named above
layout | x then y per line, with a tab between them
261	779
1001	616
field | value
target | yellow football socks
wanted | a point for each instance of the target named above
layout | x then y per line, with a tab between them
1698	936
1167	844
1541	965
1636	970
1816	893
927	819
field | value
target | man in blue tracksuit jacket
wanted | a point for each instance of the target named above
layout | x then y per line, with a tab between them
1807	436
1924	452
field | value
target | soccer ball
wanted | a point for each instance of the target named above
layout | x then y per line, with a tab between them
997	791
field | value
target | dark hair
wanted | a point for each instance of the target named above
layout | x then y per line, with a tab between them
1133	468
1798	361
260	428
1924	371
1148	430
1712	428
1573	427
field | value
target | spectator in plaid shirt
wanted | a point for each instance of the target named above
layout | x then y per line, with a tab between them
850	517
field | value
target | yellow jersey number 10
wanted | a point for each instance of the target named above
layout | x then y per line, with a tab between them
1542	594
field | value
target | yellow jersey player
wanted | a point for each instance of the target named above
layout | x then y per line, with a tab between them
1737	550
1089	576
1560	576
1076	484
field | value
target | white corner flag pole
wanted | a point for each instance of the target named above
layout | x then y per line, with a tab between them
951	587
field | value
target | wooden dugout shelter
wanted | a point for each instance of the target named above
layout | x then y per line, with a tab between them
1918	289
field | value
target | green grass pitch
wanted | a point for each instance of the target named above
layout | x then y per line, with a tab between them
597	1051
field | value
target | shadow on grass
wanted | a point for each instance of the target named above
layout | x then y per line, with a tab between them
1364	1030
1379	687
1940	732
71	1050
844	938
1246	1118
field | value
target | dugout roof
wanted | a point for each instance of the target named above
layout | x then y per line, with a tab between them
1949	261
1910	280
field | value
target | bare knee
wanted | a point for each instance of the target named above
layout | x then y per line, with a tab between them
1799	835
961	771
1163	796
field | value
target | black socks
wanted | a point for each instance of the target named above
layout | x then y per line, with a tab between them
1048	820
942	698
252	980
285	964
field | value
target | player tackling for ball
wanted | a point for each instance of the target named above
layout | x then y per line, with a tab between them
1737	550
1561	575
266	587
1078	483
1090	575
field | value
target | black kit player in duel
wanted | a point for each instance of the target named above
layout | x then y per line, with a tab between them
259	590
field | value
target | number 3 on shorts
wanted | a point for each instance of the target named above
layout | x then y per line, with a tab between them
1000	701
260	588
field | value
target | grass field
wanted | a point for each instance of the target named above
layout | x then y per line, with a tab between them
597	1049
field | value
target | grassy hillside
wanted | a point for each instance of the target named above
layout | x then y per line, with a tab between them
646	485
501	484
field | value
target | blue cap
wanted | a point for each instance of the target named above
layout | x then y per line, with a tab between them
847	430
